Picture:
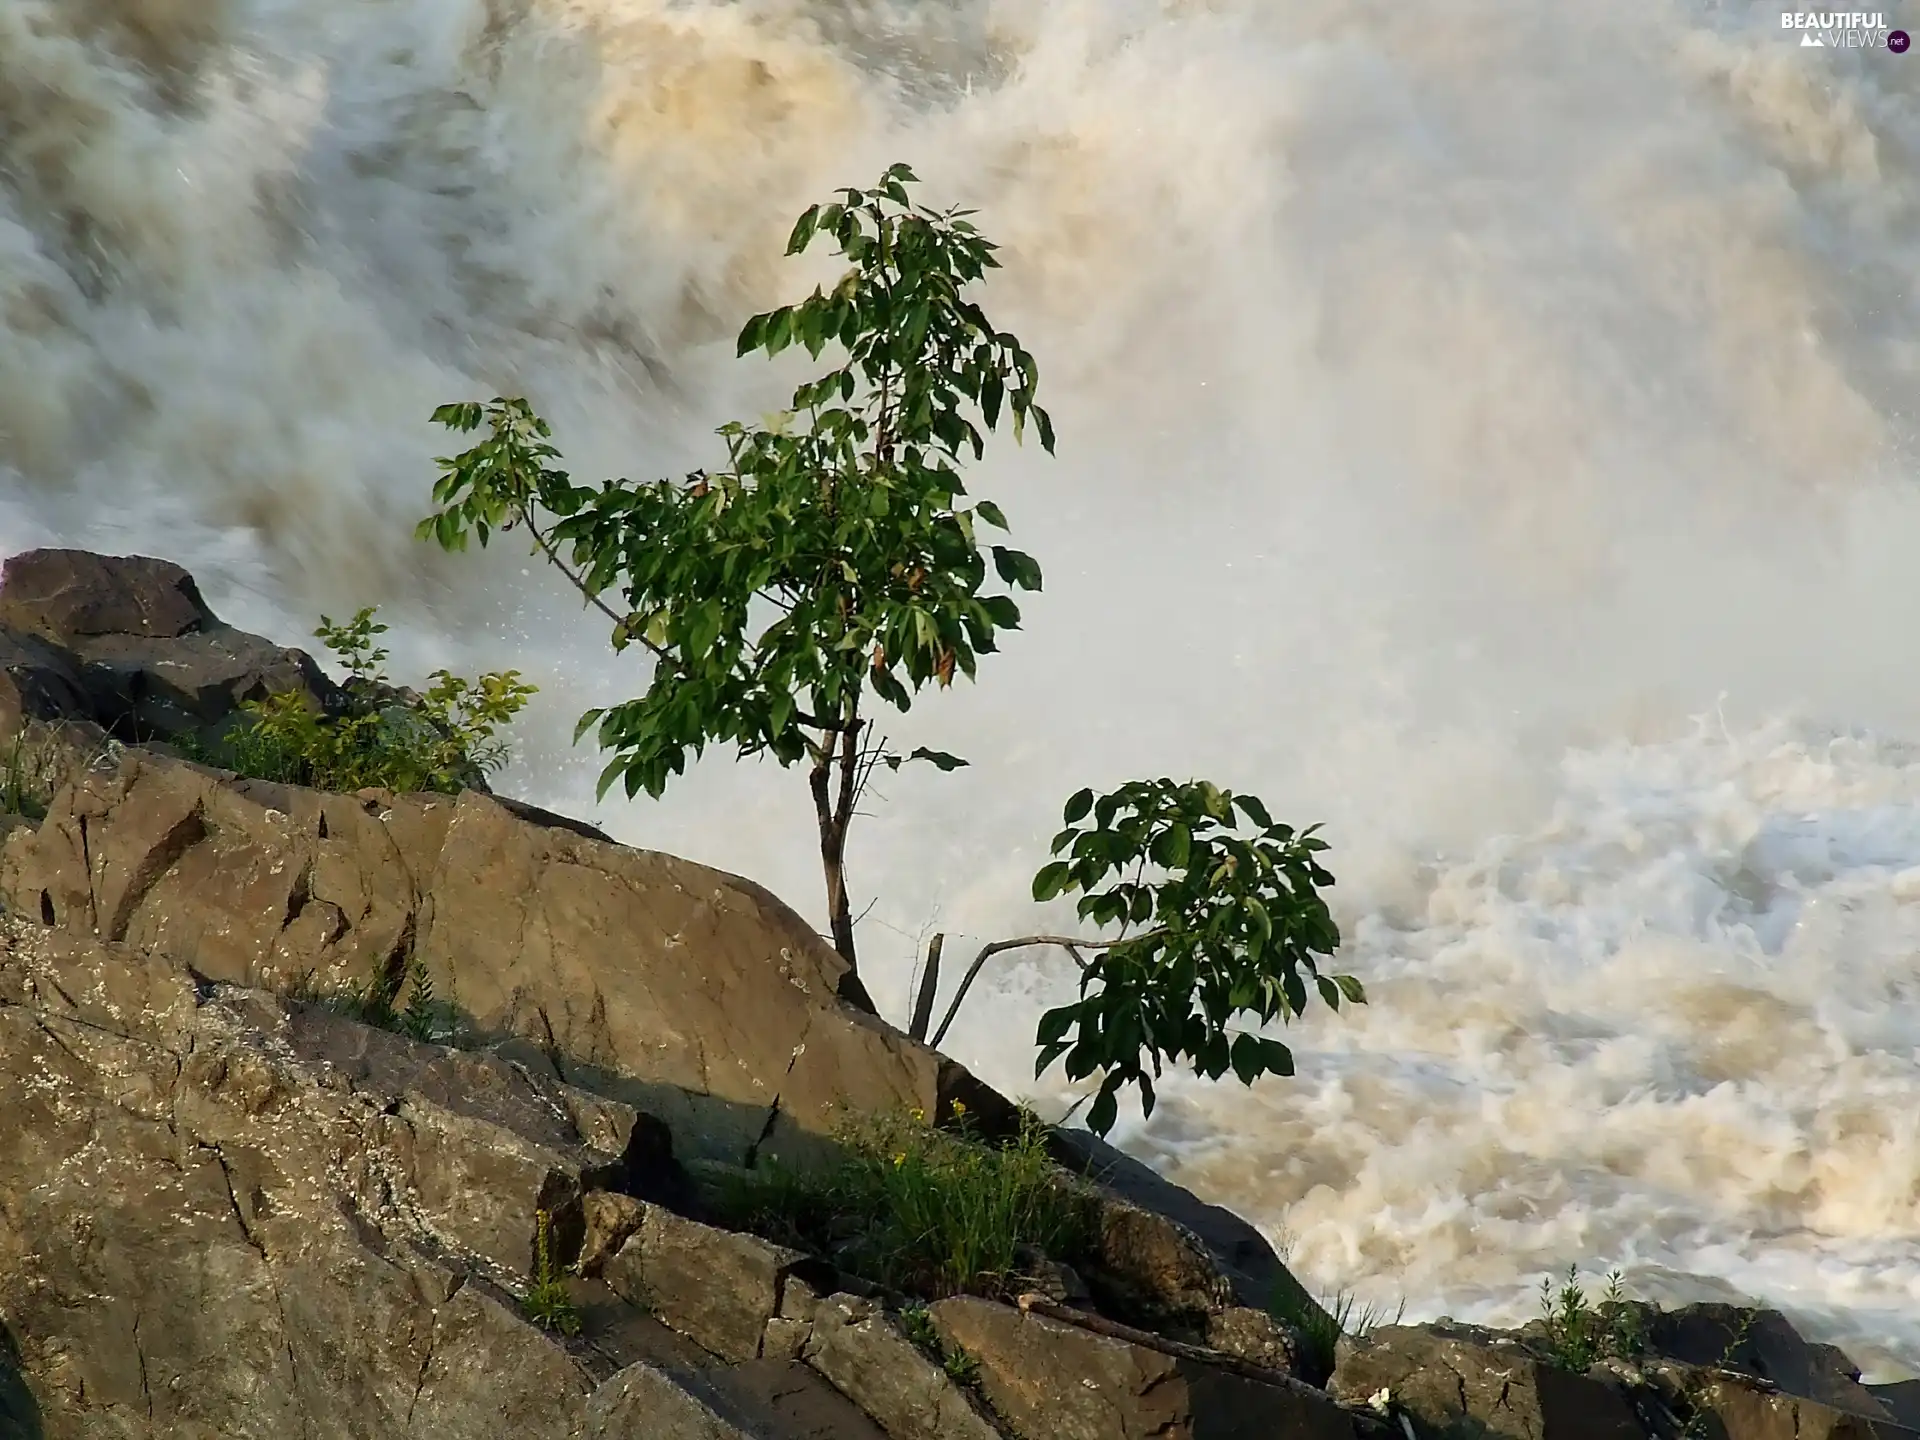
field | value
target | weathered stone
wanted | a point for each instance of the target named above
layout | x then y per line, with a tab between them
860	1348
69	595
575	943
643	1400
592	946
1465	1380
250	883
1255	1336
785	1339
716	1286
204	1232
1054	1381
1239	1253
788	1400
137	649
608	1219
1151	1268
1754	1410
1901	1400
38	682
1762	1343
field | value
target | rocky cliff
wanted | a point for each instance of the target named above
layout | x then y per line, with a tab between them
231	1208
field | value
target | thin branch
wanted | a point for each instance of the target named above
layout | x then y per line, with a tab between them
929	984
987	952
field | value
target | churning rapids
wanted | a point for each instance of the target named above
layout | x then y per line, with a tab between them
1490	435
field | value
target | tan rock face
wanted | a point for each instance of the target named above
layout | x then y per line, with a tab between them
694	994
224	1216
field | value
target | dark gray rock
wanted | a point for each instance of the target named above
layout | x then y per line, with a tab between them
1466	1381
1901	1400
1053	1381
69	595
128	642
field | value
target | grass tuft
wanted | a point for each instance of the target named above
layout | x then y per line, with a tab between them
923	1211
1320	1326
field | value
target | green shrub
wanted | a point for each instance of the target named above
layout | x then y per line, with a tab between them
1578	1334
927	1212
378	737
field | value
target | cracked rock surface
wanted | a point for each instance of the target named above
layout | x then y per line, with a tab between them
225	1215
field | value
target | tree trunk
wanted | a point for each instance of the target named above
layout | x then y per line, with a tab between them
833	814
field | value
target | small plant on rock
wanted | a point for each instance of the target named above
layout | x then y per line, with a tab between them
1578	1334
548	1304
444	739
376	1002
1320	1326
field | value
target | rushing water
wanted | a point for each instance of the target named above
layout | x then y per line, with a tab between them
1488	434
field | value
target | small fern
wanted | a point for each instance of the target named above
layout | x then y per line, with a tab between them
421	1019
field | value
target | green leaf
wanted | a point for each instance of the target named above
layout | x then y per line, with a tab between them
1016	568
1053	1026
1104	1111
1248	1061
1351	988
1077	807
939	759
1251	807
1275	1058
1050	881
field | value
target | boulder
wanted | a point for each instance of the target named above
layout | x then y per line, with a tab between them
1051	1380
1747	1408
1761	1343
1901	1400
38	682
1461	1379
717	1287
1163	1259
69	595
127	642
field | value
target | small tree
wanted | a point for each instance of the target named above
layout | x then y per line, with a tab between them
1232	923
833	557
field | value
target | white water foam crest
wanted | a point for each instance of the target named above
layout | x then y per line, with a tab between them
1449	410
